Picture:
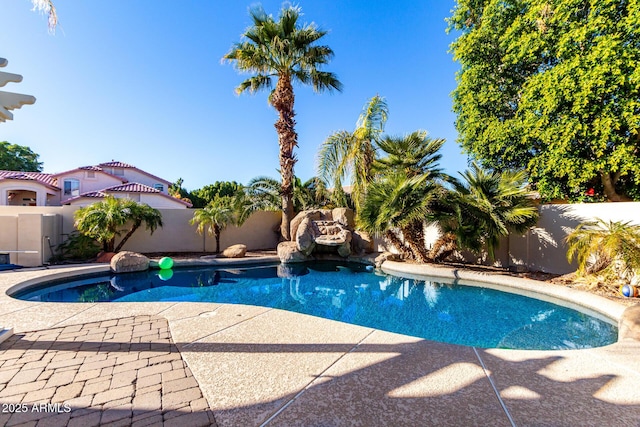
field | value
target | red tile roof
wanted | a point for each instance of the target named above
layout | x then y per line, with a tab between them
43	178
133	187
114	164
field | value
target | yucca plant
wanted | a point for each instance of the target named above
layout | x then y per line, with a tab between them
610	250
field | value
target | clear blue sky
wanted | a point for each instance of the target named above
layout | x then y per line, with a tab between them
142	82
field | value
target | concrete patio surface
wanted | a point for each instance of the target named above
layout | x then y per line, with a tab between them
236	365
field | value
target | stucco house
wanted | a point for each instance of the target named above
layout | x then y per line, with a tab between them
85	185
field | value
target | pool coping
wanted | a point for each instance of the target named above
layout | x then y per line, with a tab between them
617	359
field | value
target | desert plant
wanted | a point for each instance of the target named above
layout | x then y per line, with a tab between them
78	246
607	249
484	207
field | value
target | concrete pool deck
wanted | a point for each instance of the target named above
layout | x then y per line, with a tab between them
180	363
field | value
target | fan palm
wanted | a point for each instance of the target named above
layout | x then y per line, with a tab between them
287	52
263	194
482	209
413	154
104	220
215	217
344	153
600	245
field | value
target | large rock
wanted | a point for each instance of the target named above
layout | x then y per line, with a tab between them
313	215
306	236
384	257
344	216
127	262
362	242
288	252
235	251
330	233
344	250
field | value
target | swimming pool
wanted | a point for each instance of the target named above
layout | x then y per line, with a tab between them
352	293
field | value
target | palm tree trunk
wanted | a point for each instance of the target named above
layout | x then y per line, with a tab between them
443	247
395	241
126	237
283	100
414	236
216	233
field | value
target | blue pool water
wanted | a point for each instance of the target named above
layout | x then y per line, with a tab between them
353	293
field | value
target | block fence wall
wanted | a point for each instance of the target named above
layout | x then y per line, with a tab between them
43	228
24	230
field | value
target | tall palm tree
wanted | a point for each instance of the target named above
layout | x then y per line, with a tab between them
288	52
215	217
104	221
482	209
352	153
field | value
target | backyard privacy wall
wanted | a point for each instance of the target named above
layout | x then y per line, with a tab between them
542	248
29	228
41	229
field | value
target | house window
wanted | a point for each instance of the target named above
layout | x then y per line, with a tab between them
159	187
118	171
91	174
71	187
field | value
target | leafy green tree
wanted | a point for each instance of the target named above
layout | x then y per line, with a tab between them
178	191
205	195
15	157
483	208
215	217
108	219
610	249
552	87
346	153
288	52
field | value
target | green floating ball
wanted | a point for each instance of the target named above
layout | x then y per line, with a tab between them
165	263
165	274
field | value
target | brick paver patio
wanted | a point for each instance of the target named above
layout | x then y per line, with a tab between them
118	372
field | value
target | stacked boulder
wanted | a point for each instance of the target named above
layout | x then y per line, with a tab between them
321	231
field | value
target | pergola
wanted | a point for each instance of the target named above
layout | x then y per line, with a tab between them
9	100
